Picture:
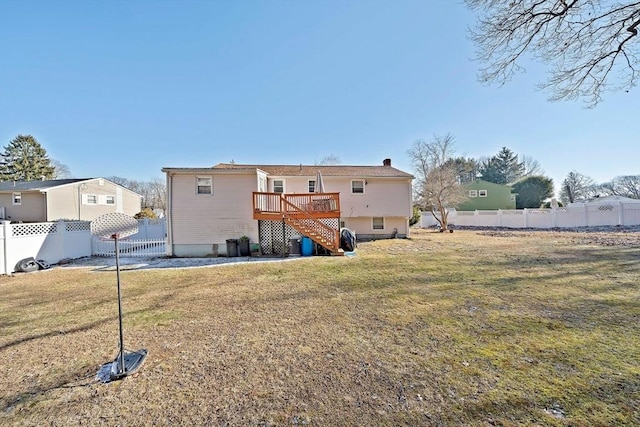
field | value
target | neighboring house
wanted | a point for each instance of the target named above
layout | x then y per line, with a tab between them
274	204
608	201
77	199
484	195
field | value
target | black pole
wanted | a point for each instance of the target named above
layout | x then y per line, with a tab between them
121	355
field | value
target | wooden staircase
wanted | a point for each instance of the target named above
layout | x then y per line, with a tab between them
308	225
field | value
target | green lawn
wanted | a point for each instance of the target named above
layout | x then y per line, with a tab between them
470	328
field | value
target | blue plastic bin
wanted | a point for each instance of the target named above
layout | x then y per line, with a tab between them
306	246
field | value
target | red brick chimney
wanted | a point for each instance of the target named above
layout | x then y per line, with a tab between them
386	162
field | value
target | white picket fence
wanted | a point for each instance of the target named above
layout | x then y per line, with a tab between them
583	215
56	241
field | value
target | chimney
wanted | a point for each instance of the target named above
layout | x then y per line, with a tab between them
386	162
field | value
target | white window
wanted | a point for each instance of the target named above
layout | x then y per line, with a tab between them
17	198
357	186
378	223
204	185
92	199
482	193
312	186
278	186
110	200
473	193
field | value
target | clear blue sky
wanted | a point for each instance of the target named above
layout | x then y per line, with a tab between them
127	87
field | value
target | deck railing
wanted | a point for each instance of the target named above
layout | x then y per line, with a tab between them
316	230
318	203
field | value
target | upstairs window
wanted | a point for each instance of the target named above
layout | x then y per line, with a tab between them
357	186
482	193
278	186
17	198
110	200
204	185
312	186
473	193
92	199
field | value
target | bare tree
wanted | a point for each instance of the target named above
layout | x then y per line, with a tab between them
154	192
531	166
626	186
158	194
577	187
586	43
438	186
61	170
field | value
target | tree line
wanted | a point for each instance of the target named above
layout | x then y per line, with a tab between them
441	177
25	159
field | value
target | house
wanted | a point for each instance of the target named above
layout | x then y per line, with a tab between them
275	204
76	199
608	201
484	195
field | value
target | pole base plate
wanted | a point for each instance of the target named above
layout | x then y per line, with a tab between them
132	361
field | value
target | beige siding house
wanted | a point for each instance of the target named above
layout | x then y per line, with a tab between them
274	204
72	199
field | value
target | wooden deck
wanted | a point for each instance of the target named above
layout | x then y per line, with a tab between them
277	206
303	212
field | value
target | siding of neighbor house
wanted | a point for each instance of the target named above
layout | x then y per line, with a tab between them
32	208
201	223
70	201
498	197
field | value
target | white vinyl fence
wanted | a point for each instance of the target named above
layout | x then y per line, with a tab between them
129	248
583	215
55	241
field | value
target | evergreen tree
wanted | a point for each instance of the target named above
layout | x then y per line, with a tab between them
532	191
503	168
467	169
24	159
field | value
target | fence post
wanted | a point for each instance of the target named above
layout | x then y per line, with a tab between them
620	213
499	217
6	233
585	215
61	230
525	217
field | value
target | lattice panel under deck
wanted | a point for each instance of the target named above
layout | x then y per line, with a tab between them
275	237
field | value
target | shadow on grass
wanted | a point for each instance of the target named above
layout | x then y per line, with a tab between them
82	377
82	328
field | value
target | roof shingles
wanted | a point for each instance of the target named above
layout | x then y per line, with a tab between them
312	170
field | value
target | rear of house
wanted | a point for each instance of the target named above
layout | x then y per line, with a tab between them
275	204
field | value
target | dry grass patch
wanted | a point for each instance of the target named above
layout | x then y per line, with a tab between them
473	328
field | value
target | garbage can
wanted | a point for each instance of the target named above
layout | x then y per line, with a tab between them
232	247
306	246
243	247
294	244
